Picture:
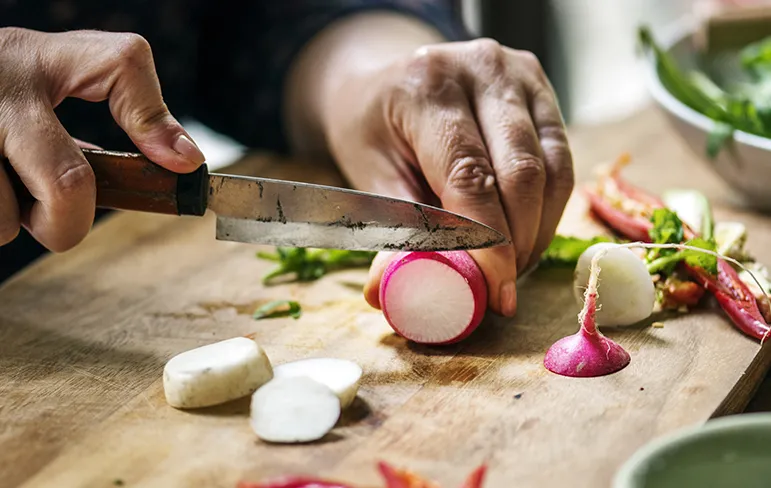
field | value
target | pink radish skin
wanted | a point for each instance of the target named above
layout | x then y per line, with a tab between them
433	297
587	353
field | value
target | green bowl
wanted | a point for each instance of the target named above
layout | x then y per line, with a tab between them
730	452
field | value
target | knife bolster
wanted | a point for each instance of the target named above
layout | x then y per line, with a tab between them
193	192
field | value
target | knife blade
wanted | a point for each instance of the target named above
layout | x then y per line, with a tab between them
282	213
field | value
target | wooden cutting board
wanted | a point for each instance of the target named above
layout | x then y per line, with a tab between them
84	337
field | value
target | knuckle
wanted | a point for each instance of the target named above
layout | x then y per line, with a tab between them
427	73
133	48
564	178
74	180
528	173
490	54
143	119
471	176
529	60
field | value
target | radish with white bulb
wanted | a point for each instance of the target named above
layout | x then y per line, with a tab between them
293	409
340	375
587	353
215	373
433	297
628	294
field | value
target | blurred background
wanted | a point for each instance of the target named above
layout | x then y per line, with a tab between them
587	47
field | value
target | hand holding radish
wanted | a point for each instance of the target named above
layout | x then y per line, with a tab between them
471	126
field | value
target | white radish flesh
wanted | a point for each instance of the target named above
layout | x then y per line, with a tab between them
340	375
293	409
628	294
215	373
433	297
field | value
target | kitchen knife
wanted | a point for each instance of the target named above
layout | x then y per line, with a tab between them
280	213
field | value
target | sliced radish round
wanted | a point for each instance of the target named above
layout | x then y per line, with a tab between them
215	373
433	297
293	409
340	375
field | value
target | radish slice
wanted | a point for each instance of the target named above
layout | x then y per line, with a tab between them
294	409
215	373
433	297
340	375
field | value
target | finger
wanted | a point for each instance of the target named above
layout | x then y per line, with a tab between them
58	177
558	164
511	139
9	210
120	68
452	155
376	270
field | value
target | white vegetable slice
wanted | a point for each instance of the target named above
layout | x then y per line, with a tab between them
340	375
294	409
216	373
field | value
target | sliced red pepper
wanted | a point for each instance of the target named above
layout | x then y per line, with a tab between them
476	478
733	295
399	478
633	228
293	482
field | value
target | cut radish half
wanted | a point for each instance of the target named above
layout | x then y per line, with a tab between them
433	297
215	373
293	409
340	375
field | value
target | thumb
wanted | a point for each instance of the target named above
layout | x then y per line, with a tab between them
119	68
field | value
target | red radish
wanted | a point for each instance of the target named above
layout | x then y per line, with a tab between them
433	297
587	353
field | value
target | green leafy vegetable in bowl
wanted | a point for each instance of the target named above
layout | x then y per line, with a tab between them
744	106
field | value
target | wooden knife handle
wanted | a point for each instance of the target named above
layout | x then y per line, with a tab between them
129	181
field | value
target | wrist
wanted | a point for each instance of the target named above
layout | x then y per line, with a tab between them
349	50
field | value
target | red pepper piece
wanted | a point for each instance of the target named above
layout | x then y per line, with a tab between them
398	478
678	292
633	228
293	482
734	297
476	478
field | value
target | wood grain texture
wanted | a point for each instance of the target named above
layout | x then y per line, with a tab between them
84	337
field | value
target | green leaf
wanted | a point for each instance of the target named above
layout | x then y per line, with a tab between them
721	133
312	264
667	227
702	260
278	308
666	263
565	251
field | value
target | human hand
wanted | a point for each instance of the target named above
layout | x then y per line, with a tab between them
472	126
39	71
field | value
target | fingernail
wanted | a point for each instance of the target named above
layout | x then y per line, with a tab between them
509	298
184	146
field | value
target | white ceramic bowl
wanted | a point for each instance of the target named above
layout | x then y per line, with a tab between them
745	165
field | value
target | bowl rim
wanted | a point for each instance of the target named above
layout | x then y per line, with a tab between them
642	457
660	94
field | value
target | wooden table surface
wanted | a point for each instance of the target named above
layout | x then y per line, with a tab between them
84	336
